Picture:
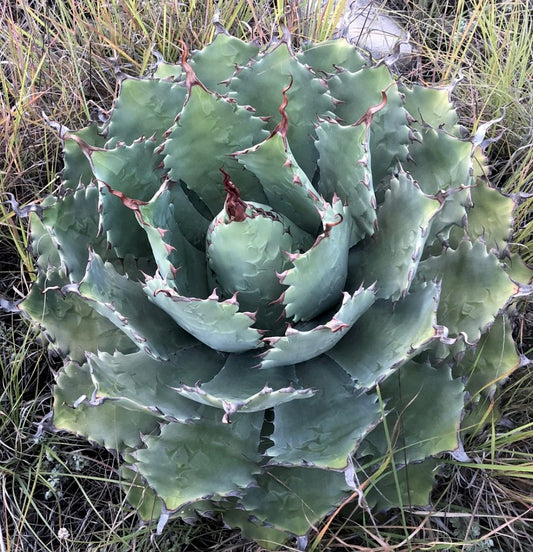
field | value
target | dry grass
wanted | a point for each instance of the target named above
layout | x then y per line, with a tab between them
61	58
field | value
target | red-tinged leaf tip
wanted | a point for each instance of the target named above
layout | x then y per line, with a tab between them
292	257
283	125
366	119
174	271
251	315
132	204
214	295
232	300
234	206
166	292
281	277
169	248
190	76
336	325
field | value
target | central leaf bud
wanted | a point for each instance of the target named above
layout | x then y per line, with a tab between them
247	246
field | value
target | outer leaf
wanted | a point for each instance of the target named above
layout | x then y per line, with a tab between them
440	161
474	288
493	358
145	384
242	387
425	406
73	226
431	106
215	64
125	304
389	132
344	162
135	172
70	324
315	432
260	85
77	168
180	463
330	56
110	424
168	220
492	216
292	499
159	102
208	129
411	485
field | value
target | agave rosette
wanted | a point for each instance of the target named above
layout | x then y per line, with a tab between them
268	273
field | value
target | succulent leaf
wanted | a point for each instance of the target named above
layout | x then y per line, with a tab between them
391	257
263	272
124	303
179	463
387	335
474	288
159	101
329	442
219	325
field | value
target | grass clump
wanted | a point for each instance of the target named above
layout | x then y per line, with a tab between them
63	59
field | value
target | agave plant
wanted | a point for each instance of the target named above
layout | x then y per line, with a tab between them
278	281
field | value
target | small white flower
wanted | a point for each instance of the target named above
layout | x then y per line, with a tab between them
63	534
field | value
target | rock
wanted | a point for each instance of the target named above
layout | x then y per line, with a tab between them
367	25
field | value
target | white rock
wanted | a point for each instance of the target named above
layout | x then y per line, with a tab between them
366	24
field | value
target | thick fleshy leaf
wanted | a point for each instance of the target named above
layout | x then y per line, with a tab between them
301	345
474	288
242	386
321	271
135	172
73	226
71	325
124	303
492	216
494	357
159	102
402	487
77	168
286	186
424	407
215	64
218	324
246	257
440	161
146	384
389	132
292	499
344	163
387	335
330	56
168	220
141	497
208	129
322	432
260	85
390	258
110	424
185	462
43	247
431	106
